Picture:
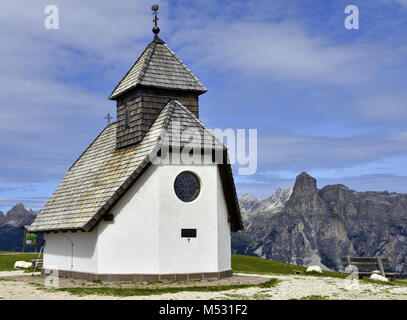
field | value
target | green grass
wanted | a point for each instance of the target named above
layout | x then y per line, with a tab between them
97	282
396	282
402	282
314	298
16	252
234	296
269	283
256	265
137	291
369	281
249	264
7	262
125	292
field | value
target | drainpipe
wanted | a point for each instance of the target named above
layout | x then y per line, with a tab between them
71	249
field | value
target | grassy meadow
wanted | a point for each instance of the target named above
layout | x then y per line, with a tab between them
7	259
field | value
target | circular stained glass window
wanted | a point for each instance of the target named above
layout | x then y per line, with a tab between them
187	186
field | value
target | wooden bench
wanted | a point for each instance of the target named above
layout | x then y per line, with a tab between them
368	265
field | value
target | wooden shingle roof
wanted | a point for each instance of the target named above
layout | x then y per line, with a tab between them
158	67
102	174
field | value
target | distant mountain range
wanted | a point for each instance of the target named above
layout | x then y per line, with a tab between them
304	225
256	214
319	226
11	233
17	216
250	205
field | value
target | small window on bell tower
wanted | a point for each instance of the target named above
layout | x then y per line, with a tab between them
127	116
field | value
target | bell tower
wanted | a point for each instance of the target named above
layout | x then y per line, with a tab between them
156	77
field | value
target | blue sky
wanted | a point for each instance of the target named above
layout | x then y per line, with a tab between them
325	100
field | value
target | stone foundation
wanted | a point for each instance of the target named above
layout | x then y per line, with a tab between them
140	277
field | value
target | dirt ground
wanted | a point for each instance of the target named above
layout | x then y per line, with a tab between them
290	287
73	283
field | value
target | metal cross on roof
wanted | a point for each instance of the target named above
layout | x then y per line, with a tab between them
156	29
108	118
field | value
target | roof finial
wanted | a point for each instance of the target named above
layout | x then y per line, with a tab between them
156	29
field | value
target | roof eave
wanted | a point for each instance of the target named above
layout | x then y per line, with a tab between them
49	230
117	95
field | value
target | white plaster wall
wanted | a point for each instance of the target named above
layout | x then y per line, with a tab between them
145	236
58	252
200	254
130	243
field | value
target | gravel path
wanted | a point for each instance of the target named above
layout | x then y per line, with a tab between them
74	283
11	273
290	287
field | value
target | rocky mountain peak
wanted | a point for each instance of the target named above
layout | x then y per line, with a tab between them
305	197
286	193
248	203
272	204
277	200
282	194
278	192
304	182
319	227
18	216
248	197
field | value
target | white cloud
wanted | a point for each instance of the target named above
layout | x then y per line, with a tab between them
293	153
280	50
400	2
54	84
383	107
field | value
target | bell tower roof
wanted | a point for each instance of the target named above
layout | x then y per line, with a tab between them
158	67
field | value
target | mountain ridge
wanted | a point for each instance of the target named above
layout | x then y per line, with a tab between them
11	232
250	204
319	226
255	214
18	216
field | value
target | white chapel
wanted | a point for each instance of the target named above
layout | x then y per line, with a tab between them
153	196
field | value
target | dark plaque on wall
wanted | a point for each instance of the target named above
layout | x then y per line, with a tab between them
188	233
